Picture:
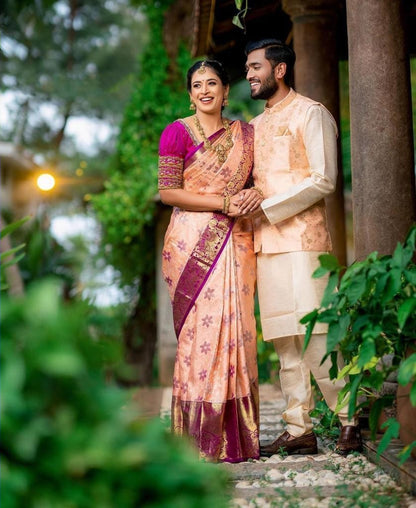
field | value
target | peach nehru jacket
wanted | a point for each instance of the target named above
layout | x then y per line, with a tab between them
295	166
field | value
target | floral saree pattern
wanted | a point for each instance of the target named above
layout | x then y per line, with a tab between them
209	266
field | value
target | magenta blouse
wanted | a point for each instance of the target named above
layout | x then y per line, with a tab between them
175	147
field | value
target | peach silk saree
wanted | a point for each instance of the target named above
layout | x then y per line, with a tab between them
208	263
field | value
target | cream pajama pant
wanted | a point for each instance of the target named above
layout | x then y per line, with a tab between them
286	293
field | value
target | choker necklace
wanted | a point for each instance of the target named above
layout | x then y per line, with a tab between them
220	150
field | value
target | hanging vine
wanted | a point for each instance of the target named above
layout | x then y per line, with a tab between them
239	18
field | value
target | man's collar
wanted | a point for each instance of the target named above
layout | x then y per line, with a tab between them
282	103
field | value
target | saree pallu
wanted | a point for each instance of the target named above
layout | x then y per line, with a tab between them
209	265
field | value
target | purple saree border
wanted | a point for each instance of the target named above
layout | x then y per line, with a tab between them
232	434
198	269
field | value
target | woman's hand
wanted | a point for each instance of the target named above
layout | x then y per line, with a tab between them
247	201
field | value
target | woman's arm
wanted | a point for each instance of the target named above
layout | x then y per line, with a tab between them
191	201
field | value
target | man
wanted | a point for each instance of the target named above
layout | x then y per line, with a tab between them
295	167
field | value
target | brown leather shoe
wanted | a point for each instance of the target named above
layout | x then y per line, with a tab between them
349	440
303	445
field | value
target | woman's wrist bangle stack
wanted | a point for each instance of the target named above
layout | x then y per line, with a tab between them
259	191
226	205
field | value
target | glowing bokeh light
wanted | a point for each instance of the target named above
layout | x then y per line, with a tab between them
46	182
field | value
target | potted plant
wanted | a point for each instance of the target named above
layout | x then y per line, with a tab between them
370	309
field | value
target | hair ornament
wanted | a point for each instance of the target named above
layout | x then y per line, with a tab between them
202	69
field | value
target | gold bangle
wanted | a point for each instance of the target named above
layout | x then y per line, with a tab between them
226	205
259	191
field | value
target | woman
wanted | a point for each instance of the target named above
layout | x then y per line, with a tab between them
209	266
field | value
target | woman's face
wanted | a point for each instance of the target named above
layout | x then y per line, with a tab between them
207	91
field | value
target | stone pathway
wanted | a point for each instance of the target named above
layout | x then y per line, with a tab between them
323	480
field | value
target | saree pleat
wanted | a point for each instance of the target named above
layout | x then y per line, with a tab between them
209	265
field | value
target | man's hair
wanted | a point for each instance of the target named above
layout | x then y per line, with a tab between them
275	52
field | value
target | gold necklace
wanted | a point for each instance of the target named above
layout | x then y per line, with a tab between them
220	149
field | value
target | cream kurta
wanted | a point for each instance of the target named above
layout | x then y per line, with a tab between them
295	166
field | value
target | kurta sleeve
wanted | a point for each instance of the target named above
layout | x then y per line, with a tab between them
320	139
171	157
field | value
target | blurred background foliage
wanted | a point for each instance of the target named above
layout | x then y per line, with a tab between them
70	436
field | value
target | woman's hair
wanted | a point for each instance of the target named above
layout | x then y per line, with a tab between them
275	52
214	65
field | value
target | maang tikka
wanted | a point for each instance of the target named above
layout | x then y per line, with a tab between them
202	69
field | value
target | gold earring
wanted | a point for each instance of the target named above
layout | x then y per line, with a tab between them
225	101
192	106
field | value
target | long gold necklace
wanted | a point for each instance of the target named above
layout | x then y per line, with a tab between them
220	149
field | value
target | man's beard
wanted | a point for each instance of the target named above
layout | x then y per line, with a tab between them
267	89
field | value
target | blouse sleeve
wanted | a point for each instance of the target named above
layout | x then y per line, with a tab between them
171	157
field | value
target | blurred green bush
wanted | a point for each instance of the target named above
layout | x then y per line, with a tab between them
69	438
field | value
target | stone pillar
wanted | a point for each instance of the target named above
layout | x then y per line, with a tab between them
317	77
383	182
166	337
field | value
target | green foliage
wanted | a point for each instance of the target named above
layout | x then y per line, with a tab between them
239	18
327	423
370	311
69	437
12	255
127	207
75	57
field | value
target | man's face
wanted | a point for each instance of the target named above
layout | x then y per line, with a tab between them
260	75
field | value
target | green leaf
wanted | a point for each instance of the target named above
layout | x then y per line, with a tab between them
411	238
411	275
406	452
329	290
393	285
405	310
311	317
356	288
13	261
407	370
319	272
62	363
367	352
413	395
343	398
13	226
238	4
329	262
392	427
361	322
273	357
381	284
10	252
355	384
374	417
336	332
347	368
403	254
237	22
398	258
333	371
